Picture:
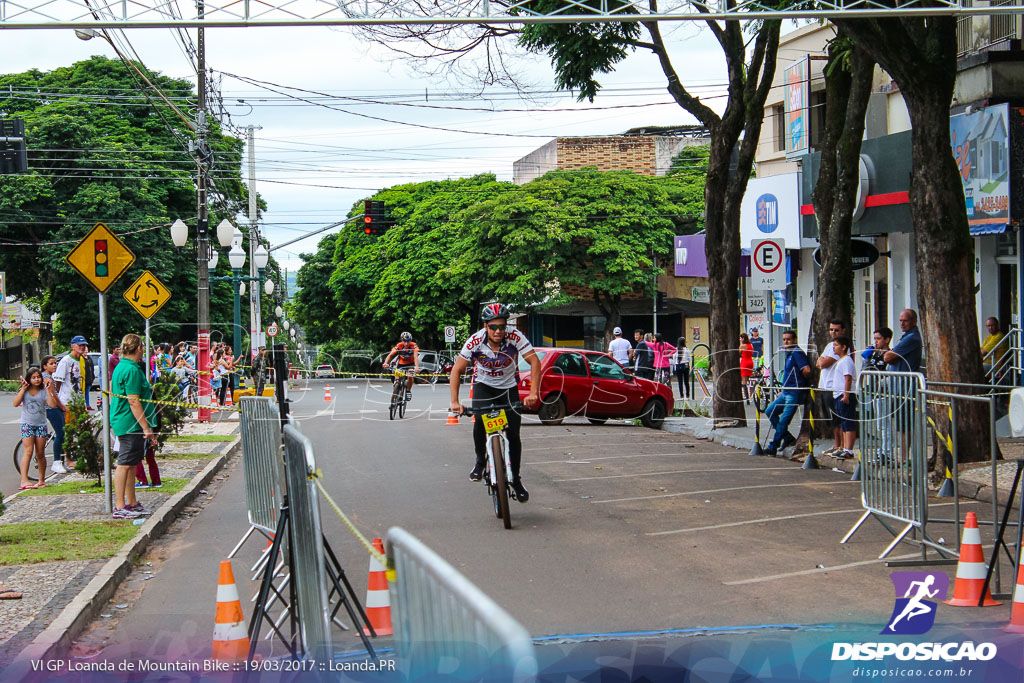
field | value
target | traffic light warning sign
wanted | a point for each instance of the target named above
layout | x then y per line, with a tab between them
101	258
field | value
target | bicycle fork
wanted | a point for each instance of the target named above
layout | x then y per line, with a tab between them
491	478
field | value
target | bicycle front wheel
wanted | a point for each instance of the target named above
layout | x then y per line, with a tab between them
500	491
401	406
394	402
761	397
32	468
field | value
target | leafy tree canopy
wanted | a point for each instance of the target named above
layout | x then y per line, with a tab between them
458	243
100	150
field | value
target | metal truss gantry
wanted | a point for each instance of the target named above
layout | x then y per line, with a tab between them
36	14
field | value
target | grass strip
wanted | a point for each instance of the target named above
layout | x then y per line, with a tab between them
186	456
170	487
201	438
32	542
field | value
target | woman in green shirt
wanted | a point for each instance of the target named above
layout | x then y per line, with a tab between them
132	419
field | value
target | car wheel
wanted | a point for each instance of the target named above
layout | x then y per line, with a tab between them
552	412
597	420
653	415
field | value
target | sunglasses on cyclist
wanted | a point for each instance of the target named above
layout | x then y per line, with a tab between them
497	328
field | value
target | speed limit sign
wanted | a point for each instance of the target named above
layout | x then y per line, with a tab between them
449	335
272	331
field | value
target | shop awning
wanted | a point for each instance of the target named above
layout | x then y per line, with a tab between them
988	229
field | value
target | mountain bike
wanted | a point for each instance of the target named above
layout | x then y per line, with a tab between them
498	474
763	388
398	401
32	465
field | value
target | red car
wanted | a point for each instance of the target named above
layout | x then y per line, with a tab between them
594	385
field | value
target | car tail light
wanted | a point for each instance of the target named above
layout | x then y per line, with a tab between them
525	384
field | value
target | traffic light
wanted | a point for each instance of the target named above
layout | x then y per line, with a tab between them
661	302
374	222
13	148
102	258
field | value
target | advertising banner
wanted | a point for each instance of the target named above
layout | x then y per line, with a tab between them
981	147
797	99
771	209
690	260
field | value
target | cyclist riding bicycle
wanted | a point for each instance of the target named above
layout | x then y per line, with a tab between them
408	354
495	352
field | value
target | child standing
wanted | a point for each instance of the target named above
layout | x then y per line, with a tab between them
34	398
844	394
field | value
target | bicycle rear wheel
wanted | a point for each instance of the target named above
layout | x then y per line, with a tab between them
500	490
32	469
401	405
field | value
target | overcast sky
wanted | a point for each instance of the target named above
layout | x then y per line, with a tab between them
303	145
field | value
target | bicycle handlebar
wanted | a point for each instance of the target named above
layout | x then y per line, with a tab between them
466	410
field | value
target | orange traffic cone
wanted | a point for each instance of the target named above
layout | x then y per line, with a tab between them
327	393
378	598
230	639
453	419
229	403
1016	624
970	570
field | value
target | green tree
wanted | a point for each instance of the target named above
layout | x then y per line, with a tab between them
596	230
101	151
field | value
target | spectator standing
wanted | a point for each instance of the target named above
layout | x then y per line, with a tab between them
757	344
663	352
34	397
67	381
746	365
112	361
619	348
683	358
878	409
906	355
826	363
995	340
258	369
56	414
131	420
164	361
844	394
643	355
229	365
88	376
795	375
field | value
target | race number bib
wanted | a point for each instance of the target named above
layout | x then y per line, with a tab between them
495	423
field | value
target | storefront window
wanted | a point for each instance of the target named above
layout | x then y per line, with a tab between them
1006	244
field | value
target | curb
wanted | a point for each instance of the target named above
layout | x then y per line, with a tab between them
967	489
73	619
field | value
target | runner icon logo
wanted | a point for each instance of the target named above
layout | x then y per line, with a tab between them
917	597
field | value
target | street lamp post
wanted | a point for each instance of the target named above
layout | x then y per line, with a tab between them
236	257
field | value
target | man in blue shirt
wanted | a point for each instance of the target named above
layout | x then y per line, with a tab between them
795	374
757	342
906	355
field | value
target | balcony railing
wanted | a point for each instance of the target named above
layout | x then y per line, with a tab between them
979	32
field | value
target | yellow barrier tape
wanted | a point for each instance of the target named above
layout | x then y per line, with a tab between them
172	403
390	374
810	440
944	437
316	477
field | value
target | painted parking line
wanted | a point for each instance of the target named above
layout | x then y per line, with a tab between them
653	474
731	488
624	444
753	521
621	457
805	572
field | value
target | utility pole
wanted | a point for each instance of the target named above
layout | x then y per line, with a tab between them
203	236
255	324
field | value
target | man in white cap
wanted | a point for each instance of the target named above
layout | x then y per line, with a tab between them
619	348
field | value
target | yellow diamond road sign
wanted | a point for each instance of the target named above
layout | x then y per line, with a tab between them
147	295
101	258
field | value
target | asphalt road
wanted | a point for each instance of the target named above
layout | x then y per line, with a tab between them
627	529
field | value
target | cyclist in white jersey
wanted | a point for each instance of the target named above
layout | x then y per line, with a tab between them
495	352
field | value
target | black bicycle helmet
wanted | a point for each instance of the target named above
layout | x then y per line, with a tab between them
492	311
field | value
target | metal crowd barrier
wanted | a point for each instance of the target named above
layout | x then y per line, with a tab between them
437	614
308	572
262	465
894	460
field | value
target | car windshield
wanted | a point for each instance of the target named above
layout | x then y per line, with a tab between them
524	365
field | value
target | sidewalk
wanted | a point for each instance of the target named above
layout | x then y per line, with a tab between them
975	478
62	596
